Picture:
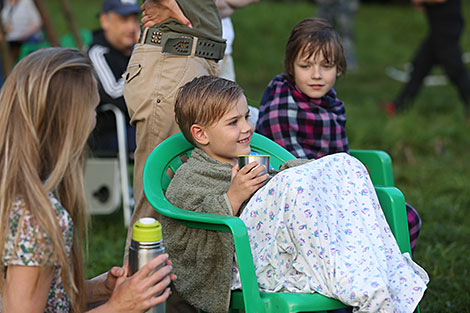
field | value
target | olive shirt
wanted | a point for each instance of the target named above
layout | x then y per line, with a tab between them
204	18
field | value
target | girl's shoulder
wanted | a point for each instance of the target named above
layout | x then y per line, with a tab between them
26	243
19	212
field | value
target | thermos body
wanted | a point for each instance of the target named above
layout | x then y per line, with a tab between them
145	245
140	253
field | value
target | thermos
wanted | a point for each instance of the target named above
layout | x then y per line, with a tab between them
146	244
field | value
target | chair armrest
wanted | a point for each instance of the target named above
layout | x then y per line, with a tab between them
199	219
392	202
379	165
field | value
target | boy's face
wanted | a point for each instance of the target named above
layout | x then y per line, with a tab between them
314	76
231	135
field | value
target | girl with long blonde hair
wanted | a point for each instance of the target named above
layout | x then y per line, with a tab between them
47	111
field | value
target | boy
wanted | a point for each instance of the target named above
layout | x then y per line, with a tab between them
220	133
296	221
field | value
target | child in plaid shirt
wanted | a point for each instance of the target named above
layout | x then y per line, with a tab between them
299	109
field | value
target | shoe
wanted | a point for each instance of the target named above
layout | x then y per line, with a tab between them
389	108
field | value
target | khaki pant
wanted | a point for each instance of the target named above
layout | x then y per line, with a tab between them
152	80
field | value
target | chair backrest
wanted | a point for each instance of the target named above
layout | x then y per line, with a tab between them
173	151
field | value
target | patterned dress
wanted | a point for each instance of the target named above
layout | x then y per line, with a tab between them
319	228
33	248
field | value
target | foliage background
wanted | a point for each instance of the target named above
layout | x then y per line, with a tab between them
429	144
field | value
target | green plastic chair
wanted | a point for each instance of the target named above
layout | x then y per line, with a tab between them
67	41
169	155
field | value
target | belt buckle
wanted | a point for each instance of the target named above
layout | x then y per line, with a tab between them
181	45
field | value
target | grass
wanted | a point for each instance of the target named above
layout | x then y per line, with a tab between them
429	144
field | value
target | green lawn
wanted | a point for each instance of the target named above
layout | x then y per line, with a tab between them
429	145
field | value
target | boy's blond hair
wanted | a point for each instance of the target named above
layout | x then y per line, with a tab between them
203	101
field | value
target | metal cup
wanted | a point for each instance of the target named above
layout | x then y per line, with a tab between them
261	159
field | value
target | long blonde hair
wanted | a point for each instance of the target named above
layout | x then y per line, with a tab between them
46	114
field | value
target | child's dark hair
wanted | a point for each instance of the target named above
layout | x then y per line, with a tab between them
203	101
310	37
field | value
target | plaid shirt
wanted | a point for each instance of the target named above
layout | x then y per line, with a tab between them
308	128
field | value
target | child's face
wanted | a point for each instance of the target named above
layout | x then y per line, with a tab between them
314	76
231	135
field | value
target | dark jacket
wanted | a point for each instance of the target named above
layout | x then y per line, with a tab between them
109	64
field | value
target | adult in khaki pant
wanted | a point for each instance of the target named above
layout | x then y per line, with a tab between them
181	39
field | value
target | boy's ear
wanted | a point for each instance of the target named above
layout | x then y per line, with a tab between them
199	134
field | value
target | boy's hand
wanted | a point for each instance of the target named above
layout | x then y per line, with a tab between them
157	11
244	183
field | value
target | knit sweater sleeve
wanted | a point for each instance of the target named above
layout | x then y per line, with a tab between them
202	259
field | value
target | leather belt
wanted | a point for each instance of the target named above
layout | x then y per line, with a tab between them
182	44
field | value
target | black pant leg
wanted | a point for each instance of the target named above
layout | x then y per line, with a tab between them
422	63
447	24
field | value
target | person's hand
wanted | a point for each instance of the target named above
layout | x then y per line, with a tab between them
224	9
244	183
158	11
113	275
137	292
101	287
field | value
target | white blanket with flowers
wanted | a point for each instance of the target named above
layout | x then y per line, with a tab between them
319	228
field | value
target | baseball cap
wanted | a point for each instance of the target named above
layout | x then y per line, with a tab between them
121	7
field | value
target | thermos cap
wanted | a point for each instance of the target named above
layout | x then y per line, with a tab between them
147	229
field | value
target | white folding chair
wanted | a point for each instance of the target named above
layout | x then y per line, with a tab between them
107	178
